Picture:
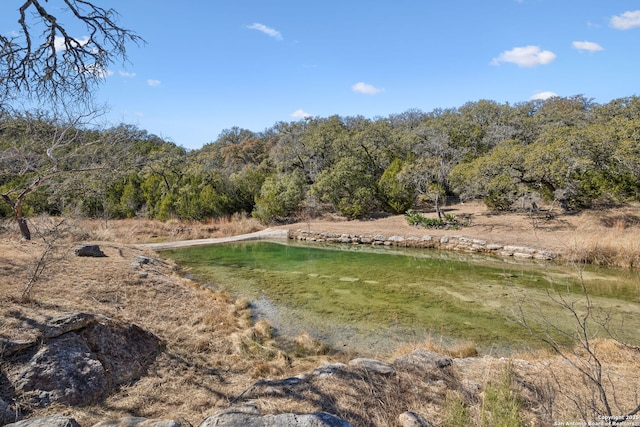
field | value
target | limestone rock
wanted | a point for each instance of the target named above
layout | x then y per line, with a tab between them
138	422
396	239
89	251
67	323
125	350
411	419
64	371
10	347
52	421
6	414
423	360
326	371
34	331
248	415
81	359
373	365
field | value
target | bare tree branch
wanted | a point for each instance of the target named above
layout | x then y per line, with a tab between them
54	64
575	344
37	148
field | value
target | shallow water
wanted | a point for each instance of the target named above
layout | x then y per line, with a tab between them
371	299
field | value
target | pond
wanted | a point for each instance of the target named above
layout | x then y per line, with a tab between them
370	300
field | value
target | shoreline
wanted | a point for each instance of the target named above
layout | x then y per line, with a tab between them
446	242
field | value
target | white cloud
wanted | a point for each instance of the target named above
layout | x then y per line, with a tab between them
366	88
153	83
588	46
627	20
300	114
543	95
126	74
59	45
526	56
266	30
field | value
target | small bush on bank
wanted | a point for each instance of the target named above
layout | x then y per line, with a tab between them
416	219
501	405
455	411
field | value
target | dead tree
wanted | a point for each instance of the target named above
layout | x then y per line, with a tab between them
42	60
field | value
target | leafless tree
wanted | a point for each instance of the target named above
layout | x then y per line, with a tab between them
42	60
575	343
50	253
37	148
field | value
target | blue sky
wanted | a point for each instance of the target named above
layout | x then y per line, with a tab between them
209	65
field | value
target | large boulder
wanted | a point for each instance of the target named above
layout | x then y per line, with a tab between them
423	360
52	421
138	422
248	415
75	359
6	414
89	251
372	365
64	371
124	350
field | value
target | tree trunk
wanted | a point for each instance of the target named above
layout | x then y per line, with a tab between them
24	228
16	207
437	203
22	221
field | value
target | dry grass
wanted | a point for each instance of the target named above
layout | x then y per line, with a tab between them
609	237
457	350
148	230
605	236
574	397
200	369
215	355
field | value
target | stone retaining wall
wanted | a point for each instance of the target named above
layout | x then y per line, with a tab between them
449	243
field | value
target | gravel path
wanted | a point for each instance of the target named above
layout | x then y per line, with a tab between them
269	233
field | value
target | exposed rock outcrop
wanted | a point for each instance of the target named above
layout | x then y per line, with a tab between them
411	419
72	359
138	422
63	371
372	365
423	360
52	421
248	415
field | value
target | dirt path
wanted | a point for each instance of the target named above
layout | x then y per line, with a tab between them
268	233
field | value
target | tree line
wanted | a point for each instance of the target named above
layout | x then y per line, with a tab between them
567	150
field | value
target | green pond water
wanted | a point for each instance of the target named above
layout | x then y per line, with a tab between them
370	300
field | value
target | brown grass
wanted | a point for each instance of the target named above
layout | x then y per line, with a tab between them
215	355
148	230
604	236
456	350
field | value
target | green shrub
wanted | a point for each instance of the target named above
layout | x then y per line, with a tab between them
455	413
501	406
416	219
398	196
498	201
279	198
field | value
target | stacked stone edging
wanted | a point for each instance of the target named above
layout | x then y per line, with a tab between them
447	242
